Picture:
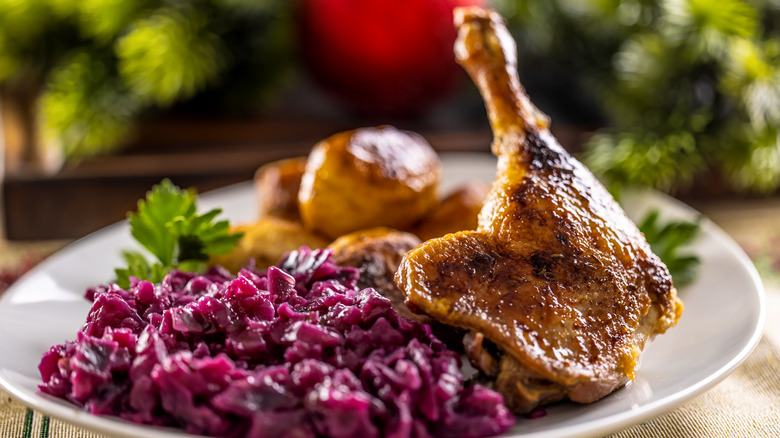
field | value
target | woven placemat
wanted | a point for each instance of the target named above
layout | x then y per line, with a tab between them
745	404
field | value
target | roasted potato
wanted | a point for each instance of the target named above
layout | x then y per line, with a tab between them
459	211
276	185
266	241
367	178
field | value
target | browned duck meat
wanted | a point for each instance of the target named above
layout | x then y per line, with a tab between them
377	253
558	288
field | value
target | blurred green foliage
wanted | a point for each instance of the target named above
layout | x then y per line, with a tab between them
687	88
669	240
100	64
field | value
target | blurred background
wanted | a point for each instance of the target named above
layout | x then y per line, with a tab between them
100	99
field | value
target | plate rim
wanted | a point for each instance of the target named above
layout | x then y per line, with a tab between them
113	426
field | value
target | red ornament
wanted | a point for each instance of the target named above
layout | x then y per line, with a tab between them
391	57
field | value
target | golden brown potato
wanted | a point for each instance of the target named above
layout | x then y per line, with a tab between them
266	241
276	185
367	178
459	211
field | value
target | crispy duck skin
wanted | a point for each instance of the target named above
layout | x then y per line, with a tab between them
556	277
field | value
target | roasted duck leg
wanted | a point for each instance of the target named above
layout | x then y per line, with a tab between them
558	288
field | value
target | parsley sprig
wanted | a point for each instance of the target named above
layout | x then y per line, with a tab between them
169	227
667	240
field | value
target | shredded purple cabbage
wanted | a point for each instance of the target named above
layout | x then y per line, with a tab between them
294	351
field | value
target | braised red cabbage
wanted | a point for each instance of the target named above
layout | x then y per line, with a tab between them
294	351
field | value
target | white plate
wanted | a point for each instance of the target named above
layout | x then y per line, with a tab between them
722	322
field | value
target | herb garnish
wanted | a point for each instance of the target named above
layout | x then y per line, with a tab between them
667	239
168	226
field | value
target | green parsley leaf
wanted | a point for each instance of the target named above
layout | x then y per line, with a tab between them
138	267
168	226
666	241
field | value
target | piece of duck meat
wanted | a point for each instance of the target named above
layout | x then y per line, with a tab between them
556	276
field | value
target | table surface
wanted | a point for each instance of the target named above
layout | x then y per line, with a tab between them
745	404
